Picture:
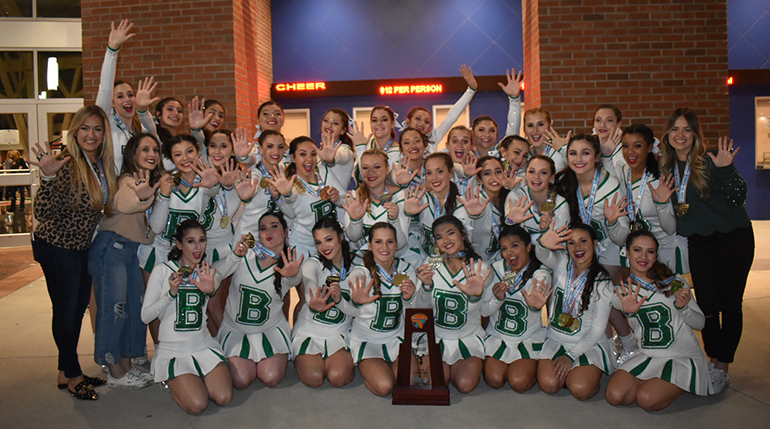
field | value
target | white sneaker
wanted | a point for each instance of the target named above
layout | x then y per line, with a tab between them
719	380
142	373
129	381
140	360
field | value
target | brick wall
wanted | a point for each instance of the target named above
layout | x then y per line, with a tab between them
647	57
253	57
190	47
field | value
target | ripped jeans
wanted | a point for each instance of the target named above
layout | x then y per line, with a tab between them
119	289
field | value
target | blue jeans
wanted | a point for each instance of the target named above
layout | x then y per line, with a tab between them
69	286
119	290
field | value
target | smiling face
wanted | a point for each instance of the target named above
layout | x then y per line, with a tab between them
535	126
383	246
272	150
328	243
184	154
681	137
517	154
420	120
271	233
147	154
635	150
305	158
123	100
90	136
491	176
449	239
581	247
218	120
641	255
581	157
220	149
485	134
412	145
539	175
515	252
437	175
271	118
382	124
459	144
171	115
193	246
333	124
605	122
374	170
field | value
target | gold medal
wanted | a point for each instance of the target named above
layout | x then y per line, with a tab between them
510	280
575	325
264	183
250	240
386	198
547	206
681	209
436	250
186	271
332	279
325	193
435	260
566	320
506	165
177	176
676	285
400	278
224	222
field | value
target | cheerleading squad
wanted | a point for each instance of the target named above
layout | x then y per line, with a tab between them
591	229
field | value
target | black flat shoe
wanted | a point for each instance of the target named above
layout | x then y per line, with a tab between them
84	391
92	381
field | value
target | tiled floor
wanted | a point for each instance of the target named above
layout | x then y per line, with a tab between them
29	398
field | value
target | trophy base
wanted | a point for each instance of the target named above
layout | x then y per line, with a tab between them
411	396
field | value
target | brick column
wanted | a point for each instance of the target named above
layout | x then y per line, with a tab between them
647	57
211	48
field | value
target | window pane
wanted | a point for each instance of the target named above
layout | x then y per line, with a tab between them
16	77
58	8
68	82
15	8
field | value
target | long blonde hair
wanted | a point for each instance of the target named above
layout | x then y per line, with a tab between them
668	158
81	171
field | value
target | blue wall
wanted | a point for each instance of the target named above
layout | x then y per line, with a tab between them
748	38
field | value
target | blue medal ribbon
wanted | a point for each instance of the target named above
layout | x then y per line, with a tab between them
645	284
121	125
314	192
681	193
262	252
342	274
587	213
633	207
517	286
384	274
439	207
574	290
99	176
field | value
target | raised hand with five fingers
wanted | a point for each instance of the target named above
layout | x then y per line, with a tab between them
121	34
539	295
195	116
467	74
318	301
355	208
47	163
402	175
555	139
241	145
328	150
360	291
141	185
413	202
665	189
472	201
207	172
229	173
245	186
206	275
519	213
280	182
474	281
513	85
469	165
629	299
552	238
291	265
144	93
614	209
726	153
357	134
511	178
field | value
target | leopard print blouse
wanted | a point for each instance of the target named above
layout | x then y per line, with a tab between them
66	220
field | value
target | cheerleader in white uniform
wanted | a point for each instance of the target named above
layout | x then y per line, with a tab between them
380	300
542	138
649	203
269	117
255	334
175	203
515	333
670	361
453	289
535	205
336	146
313	196
253	186
437	198
576	352
607	128
188	359
462	152
383	136
219	150
410	170
118	98
320	338
420	118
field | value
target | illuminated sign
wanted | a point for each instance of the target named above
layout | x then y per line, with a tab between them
730	80
411	89
300	86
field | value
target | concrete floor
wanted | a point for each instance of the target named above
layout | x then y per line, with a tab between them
30	399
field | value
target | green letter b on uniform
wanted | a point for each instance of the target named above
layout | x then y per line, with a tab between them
452	309
388	315
189	310
254	308
656	324
513	318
